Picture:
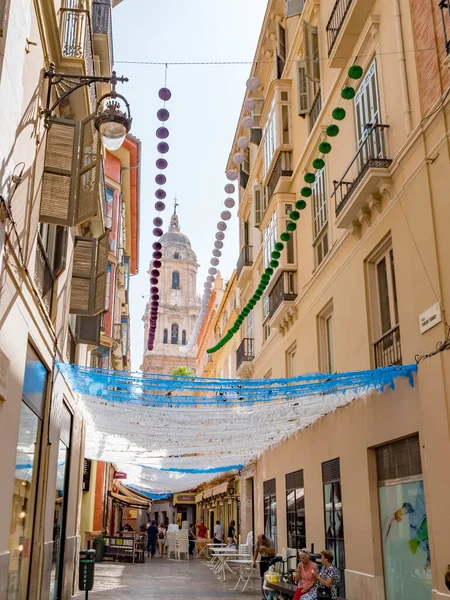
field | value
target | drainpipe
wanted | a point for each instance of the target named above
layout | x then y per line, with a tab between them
402	61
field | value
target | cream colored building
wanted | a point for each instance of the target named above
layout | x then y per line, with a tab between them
363	283
54	247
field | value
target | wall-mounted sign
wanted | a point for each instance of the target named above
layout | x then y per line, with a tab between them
86	474
184	498
431	317
120	475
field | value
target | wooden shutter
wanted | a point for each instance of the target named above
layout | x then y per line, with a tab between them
101	273
83	276
294	7
399	459
60	170
269	487
311	41
304	100
294	481
87	330
331	471
88	185
257	204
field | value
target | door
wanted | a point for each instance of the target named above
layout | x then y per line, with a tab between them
367	115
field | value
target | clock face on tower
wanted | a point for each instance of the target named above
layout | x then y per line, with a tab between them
175	298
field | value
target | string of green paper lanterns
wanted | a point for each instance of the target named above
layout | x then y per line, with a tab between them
338	114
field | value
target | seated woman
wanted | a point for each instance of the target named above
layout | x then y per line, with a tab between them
327	580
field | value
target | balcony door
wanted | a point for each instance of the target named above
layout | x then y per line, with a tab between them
367	115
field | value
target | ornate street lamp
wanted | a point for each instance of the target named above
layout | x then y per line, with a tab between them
110	120
444	5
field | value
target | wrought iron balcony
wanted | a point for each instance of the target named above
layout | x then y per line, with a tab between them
335	21
347	20
102	23
388	349
245	259
371	154
43	275
315	110
282	291
282	168
245	352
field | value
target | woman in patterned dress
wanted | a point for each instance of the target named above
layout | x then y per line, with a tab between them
328	578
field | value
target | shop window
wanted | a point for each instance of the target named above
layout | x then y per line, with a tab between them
60	508
175	280
20	541
295	510
270	510
166	336
326	339
334	520
174	334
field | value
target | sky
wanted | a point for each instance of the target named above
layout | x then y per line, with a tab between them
204	111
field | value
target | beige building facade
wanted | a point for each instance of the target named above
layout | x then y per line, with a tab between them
362	284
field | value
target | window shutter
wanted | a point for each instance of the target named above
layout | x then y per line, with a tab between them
255	135
399	459
294	7
243	177
83	276
59	176
101	273
311	41
269	487
294	481
304	100
88	185
256	113
87	330
331	471
257	204
59	261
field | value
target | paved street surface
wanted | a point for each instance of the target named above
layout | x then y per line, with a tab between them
163	579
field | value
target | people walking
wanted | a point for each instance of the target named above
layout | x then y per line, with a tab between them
152	534
266	549
162	535
327	581
218	533
192	538
231	538
304	574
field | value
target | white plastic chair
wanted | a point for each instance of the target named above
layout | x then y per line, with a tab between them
171	542
182	546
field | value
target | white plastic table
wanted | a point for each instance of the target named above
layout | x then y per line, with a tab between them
244	564
201	550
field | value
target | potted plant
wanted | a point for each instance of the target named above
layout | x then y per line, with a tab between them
99	546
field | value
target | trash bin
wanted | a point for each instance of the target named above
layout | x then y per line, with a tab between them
86	571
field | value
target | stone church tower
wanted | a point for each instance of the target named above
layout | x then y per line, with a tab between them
179	304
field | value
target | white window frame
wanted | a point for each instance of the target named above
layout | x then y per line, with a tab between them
319	202
269	239
273	129
325	326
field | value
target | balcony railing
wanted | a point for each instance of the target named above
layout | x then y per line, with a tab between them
371	154
245	352
315	110
245	259
444	5
335	21
102	22
282	291
282	168
76	41
43	275
388	349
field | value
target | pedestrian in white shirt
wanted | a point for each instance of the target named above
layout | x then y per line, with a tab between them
218	533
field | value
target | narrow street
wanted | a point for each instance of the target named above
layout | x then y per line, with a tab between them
162	579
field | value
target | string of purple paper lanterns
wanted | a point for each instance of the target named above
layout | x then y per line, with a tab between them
162	133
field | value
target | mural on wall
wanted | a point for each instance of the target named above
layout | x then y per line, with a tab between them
406	547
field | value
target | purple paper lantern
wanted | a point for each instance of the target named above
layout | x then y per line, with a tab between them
157	264
221	226
157	254
163	147
242	142
220	235
157	221
229	202
216	252
214	262
162	133
160	179
153	280
163	114
225	215
160	194
232	174
218	244
154	273
154	290
210	278
156	245
157	232
212	271
229	188
155	303
165	94
161	163
159	206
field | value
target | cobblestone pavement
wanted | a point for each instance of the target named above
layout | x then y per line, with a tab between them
163	580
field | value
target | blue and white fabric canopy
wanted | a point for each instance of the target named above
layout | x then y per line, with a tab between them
170	434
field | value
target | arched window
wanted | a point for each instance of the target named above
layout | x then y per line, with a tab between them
175	280
183	337
174	334
165	337
176	255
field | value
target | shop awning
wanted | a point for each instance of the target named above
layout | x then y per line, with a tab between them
220	489
130	498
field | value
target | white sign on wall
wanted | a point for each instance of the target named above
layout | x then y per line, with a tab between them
431	317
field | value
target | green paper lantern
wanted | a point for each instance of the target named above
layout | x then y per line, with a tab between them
300	204
332	130
306	192
279	246
275	254
209	351
291	226
318	163
348	92
325	148
309	178
285	236
274	263
339	113
258	294
269	270
355	72
265	277
294	215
